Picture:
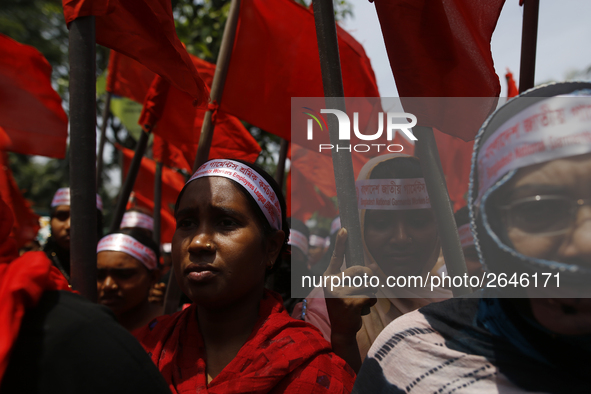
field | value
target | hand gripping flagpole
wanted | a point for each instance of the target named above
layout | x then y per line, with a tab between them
83	229
332	80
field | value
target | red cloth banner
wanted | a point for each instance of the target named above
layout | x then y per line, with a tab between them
143	30
178	123
442	49
25	89
263	78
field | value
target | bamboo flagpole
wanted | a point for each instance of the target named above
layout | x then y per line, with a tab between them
332	81
83	229
173	292
157	202
529	39
426	151
102	140
280	171
132	172
217	85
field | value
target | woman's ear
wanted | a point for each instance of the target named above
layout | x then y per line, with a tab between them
274	244
155	276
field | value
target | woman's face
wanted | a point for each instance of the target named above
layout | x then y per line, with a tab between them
540	225
400	241
219	253
123	283
60	226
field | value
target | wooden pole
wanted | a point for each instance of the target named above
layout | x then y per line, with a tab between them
157	202
426	151
332	80
83	229
529	39
280	171
217	85
127	187
173	292
102	140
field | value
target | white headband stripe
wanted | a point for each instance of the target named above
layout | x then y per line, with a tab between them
299	240
137	219
392	194
466	238
551	129
62	197
127	244
250	180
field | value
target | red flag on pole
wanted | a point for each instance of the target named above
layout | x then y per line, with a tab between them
143	30
128	78
442	49
32	120
26	222
178	123
512	90
263	78
172	184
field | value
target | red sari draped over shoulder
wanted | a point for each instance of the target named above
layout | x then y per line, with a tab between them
282	355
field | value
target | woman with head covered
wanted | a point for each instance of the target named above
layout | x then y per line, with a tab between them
529	199
236	336
399	239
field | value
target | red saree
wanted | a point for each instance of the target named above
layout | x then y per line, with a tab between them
282	355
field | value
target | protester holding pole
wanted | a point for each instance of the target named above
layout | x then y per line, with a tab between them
397	241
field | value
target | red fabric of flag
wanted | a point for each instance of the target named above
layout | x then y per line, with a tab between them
442	49
512	90
178	122
25	90
172	184
143	30
22	282
275	58
128	78
26	222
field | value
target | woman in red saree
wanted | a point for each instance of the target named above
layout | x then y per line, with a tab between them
236	337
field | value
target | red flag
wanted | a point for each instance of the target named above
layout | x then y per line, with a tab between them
26	222
172	184
128	78
179	123
275	58
143	30
512	90
25	90
442	49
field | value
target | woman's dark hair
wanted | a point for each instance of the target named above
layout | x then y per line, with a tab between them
400	168
142	238
262	221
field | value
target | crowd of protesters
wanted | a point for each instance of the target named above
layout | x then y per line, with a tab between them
237	258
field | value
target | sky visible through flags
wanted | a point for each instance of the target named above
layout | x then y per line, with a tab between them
564	34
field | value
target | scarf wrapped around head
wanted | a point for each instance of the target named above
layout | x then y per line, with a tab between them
392	302
522	133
